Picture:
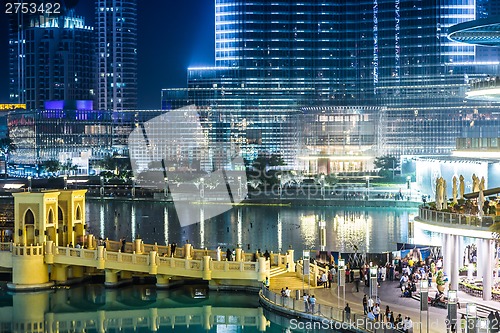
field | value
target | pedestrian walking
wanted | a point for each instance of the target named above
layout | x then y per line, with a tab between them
365	305
312	303
306	302
347	310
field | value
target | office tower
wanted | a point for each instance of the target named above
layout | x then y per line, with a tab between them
337	63
116	24
50	59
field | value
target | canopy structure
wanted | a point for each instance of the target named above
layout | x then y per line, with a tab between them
474	195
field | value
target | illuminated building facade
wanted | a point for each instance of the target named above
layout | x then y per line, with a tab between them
393	55
50	58
116	24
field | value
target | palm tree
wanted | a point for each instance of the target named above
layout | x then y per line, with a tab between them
52	166
7	147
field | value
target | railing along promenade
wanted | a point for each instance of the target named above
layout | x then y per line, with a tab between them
327	316
152	319
486	83
151	259
456	219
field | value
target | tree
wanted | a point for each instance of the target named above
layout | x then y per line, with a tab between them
118	165
387	164
52	166
7	147
68	167
263	162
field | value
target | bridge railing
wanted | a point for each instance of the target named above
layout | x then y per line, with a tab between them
338	318
4	246
27	250
315	271
431	215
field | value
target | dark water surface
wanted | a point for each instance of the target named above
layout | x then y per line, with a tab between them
255	226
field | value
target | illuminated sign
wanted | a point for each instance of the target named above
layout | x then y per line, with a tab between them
12	106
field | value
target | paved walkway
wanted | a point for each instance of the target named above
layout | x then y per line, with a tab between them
390	294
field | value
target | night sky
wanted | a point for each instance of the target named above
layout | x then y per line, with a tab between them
173	35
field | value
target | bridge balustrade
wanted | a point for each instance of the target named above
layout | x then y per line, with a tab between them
454	218
27	250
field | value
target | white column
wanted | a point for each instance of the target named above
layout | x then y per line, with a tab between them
480	258
446	249
486	256
454	262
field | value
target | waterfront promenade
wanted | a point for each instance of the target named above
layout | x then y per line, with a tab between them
389	293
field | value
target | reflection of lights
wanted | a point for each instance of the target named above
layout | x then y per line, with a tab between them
132	221
353	228
202	227
240	226
280	232
165	224
101	220
308	229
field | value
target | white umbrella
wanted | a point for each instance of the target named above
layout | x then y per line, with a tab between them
480	202
454	190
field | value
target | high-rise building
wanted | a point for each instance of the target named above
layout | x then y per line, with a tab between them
116	24
392	56
51	58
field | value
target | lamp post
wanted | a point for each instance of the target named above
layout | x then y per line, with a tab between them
29	183
133	186
323	186
101	190
165	190
471	314
240	192
305	267
373	282
65	178
202	187
424	304
279	187
341	279
367	187
322	234
408	185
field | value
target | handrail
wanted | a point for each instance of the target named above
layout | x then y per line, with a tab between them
431	215
338	318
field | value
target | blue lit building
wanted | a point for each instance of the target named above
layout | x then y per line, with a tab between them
50	58
289	58
116	25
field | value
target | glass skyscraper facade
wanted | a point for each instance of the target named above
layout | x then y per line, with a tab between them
388	59
50	58
116	25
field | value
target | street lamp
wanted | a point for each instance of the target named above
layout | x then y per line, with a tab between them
102	186
240	192
202	187
341	279
424	304
471	313
29	183
367	187
279	188
65	177
323	186
133	186
305	267
322	234
165	190
408	185
373	282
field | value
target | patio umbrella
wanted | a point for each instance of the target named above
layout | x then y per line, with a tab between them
462	187
480	202
454	190
445	195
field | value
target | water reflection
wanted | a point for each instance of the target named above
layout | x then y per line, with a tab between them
92	308
257	227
